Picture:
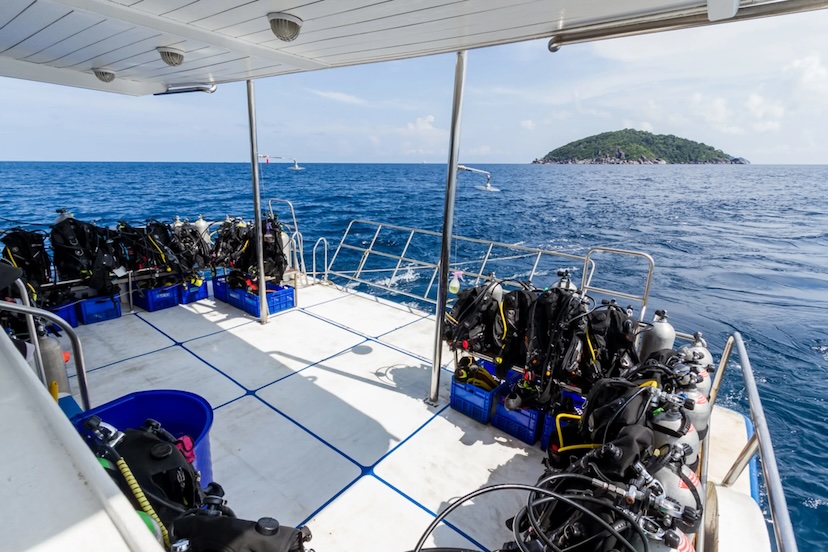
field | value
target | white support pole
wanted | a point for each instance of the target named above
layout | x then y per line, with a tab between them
257	202
448	223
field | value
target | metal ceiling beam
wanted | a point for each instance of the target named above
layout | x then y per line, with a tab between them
133	16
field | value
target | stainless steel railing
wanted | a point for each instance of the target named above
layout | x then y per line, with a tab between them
477	263
761	442
77	350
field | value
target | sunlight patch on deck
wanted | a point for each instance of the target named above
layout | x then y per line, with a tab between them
366	315
210	316
256	355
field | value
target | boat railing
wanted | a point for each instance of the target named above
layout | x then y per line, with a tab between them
760	442
80	366
385	253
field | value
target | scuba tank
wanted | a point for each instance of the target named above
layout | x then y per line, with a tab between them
698	356
699	415
286	249
54	367
681	485
63	214
203	228
177	222
565	281
660	335
673	427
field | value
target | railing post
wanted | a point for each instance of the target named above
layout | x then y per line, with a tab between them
742	461
448	223
783	529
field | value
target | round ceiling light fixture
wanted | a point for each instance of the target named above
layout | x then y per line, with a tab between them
171	56
104	75
285	26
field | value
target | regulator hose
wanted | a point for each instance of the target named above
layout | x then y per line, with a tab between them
141	498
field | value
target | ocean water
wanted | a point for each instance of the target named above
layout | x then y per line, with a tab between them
736	248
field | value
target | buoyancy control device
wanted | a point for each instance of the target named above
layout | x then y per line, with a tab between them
154	470
83	251
26	249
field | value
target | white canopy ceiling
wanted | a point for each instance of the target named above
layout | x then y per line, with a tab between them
63	41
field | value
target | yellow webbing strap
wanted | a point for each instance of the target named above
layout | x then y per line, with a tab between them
141	498
163	257
589	345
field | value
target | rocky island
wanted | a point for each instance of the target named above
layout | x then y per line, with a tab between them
637	147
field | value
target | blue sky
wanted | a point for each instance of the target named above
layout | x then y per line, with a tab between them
754	89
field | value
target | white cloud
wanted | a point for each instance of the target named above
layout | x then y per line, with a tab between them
528	124
339	97
811	73
766	126
763	108
422	124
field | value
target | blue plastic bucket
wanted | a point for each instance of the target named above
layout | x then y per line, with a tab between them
179	412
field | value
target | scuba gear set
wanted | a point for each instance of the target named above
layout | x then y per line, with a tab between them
160	480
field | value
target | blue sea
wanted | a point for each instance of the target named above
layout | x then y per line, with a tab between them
736	248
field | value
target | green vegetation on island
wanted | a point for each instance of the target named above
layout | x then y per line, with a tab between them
637	147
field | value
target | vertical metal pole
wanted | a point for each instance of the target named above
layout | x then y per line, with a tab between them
257	202
448	222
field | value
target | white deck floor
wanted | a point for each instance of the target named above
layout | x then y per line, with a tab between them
320	418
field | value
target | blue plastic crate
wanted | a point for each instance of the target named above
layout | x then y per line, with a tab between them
98	309
525	423
191	294
235	296
220	288
179	412
548	428
156	299
279	298
473	401
68	312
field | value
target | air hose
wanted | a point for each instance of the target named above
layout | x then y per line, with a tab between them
141	498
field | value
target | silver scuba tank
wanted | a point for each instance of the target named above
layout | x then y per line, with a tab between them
203	228
53	365
674	428
661	335
700	414
697	355
681	485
